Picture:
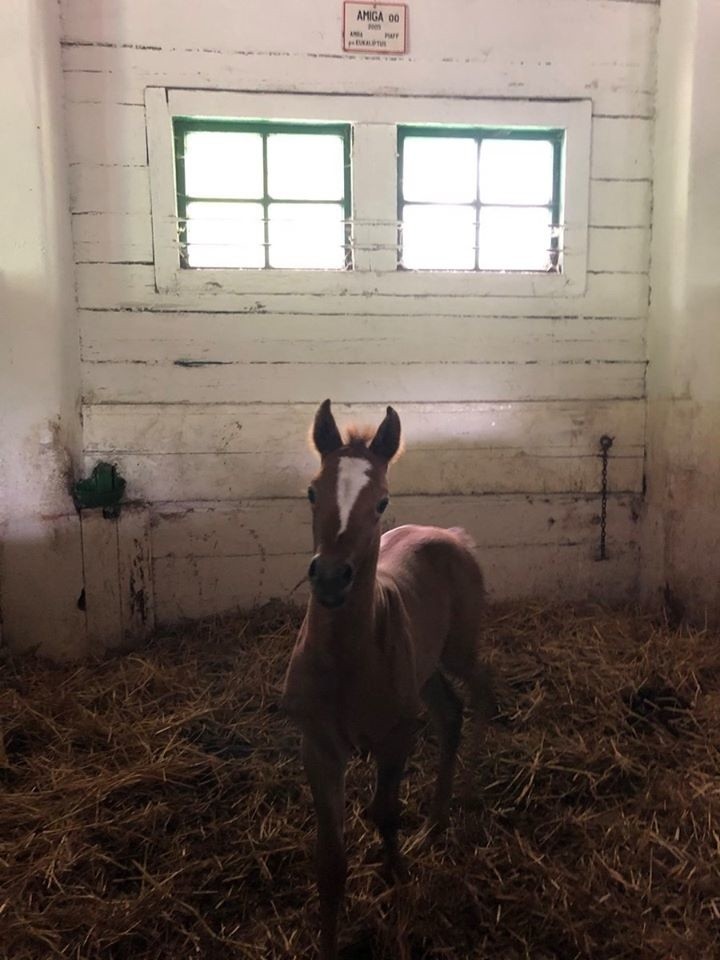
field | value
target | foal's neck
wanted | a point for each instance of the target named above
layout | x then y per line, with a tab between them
347	627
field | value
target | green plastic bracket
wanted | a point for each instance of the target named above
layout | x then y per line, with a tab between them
103	488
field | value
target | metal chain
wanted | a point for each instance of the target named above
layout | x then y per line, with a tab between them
605	443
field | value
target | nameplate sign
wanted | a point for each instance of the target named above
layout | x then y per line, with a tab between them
374	27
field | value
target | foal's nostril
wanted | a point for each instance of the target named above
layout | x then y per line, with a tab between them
312	569
346	574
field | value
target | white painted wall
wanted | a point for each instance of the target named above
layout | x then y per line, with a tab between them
503	398
683	529
40	556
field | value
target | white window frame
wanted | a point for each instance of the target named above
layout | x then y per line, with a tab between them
374	123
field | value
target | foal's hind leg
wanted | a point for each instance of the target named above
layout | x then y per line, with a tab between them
447	712
384	808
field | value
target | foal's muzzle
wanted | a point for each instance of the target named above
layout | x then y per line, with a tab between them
330	580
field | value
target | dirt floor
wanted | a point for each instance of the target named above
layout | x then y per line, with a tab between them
153	805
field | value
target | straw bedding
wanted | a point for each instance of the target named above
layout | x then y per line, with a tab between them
153	805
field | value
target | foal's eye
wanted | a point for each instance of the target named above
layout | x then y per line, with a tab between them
311	495
382	506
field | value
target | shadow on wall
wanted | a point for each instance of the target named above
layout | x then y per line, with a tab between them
75	585
40	548
41	583
687	506
680	549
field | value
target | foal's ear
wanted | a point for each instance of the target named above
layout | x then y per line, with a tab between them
386	441
326	435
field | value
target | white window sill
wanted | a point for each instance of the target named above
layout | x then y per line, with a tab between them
207	282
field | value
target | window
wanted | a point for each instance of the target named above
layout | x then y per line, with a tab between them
442	197
479	199
262	195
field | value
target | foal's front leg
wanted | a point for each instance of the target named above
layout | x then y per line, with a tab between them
325	762
384	810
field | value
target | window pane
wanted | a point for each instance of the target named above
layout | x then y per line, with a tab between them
514	238
516	171
438	238
305	166
219	164
225	235
307	235
439	169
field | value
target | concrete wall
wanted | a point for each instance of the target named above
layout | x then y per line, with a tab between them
504	398
41	575
680	557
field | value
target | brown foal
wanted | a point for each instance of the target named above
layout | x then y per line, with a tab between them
385	616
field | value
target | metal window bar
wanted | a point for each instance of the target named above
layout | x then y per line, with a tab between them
355	246
556	137
184	125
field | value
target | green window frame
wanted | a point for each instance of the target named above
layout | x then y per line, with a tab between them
184	125
554	136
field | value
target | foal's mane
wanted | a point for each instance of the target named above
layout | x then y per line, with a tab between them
358	437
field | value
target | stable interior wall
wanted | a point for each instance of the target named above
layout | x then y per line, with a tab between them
680	556
503	399
41	576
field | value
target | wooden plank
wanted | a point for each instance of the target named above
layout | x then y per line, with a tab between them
282	527
620	203
558	427
601	49
221	453
166	241
192	588
218	559
619	249
249	528
112	238
102	581
95	74
137	382
132	287
115	188
118	577
161	338
135	573
106	133
518	23
448	470
622	148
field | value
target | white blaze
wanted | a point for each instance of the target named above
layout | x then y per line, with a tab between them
352	477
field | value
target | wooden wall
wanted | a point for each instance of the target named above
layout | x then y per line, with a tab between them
503	399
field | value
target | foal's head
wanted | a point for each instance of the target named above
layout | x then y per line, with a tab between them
348	496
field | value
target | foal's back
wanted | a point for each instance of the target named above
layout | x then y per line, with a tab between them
440	585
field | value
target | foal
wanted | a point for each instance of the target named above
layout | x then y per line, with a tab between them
384	616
